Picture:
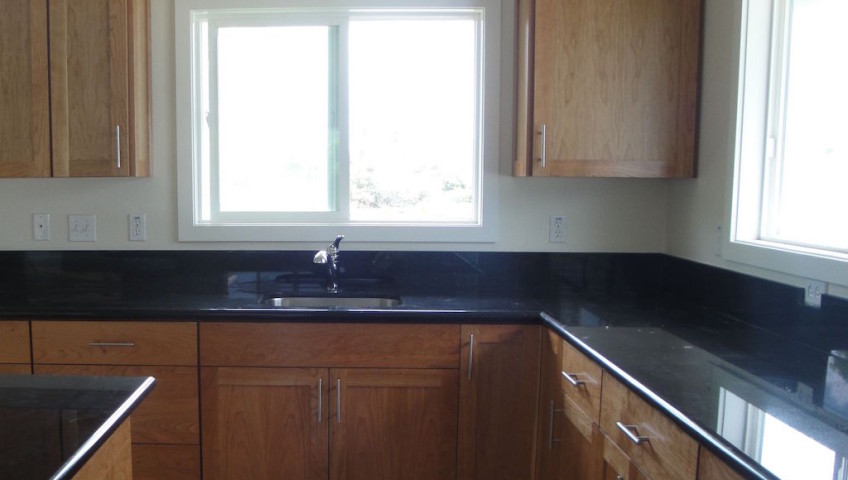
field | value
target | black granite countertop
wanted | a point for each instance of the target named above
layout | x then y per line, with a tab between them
51	425
738	362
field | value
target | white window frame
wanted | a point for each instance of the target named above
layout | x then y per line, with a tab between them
760	92
314	228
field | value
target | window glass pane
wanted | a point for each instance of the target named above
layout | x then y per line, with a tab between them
812	188
273	118
413	120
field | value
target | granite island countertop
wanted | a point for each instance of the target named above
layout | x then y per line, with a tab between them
51	425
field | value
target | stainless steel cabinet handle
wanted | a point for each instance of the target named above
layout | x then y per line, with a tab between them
320	400
551	439
470	354
118	144
543	133
111	344
339	400
571	377
628	430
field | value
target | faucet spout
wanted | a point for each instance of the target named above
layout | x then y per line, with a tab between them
330	258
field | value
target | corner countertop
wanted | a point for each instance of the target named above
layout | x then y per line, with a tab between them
716	351
51	425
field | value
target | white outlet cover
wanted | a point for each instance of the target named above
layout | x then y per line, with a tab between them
813	291
41	226
557	229
138	227
82	228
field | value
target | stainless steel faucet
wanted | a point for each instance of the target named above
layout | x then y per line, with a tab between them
330	257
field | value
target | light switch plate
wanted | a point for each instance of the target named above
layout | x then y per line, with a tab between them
82	228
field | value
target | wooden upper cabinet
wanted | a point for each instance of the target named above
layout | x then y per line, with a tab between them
24	90
499	388
99	86
612	83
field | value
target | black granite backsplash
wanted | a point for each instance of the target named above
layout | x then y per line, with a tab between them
644	279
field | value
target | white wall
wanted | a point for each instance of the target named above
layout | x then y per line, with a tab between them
602	215
696	209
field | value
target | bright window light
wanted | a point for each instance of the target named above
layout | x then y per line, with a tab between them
414	129
805	198
273	128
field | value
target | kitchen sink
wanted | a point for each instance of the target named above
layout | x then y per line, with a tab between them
331	302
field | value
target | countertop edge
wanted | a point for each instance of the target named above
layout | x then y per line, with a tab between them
75	462
740	464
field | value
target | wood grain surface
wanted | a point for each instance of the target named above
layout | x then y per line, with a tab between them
394	424
504	378
14	342
668	453
113	460
24	90
154	343
166	462
329	345
263	423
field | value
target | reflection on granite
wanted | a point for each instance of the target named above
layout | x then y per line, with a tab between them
50	425
697	339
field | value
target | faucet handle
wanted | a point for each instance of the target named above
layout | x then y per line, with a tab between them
320	257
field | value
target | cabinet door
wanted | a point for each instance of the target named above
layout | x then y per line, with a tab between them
89	78
615	88
264	423
570	442
499	387
24	90
393	424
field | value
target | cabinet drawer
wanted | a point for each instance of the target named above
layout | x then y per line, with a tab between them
14	342
165	462
665	452
329	345
115	343
581	380
170	412
710	467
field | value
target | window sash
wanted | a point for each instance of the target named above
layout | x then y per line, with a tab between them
207	182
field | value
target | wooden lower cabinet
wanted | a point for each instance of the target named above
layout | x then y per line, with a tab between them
618	466
318	423
498	398
393	424
112	459
710	467
264	423
570	443
167	421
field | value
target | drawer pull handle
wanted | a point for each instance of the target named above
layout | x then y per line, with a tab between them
320	400
470	354
572	379
338	400
551	439
629	431
111	344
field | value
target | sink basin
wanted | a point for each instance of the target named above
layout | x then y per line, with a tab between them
331	302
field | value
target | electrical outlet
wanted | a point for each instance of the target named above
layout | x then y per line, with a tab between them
813	292
557	230
138	227
41	226
82	228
